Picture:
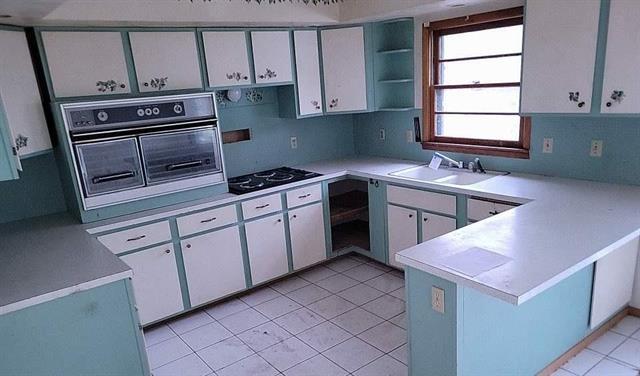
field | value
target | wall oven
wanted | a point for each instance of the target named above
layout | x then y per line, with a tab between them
126	150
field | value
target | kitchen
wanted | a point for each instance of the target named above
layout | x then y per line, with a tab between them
352	187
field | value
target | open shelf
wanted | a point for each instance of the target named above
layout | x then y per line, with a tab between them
395	51
350	234
348	206
396	80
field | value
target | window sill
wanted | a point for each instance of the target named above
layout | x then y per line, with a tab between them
497	151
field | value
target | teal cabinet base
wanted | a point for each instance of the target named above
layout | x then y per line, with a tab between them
93	332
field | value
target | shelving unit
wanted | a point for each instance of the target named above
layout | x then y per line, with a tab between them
349	213
348	206
393	67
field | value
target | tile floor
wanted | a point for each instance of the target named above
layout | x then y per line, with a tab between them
616	353
345	317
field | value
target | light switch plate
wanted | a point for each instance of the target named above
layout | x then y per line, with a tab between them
294	142
437	299
409	136
596	148
383	134
547	145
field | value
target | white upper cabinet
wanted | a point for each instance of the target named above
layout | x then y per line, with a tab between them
20	95
166	60
559	56
308	72
227	58
621	87
86	63
271	56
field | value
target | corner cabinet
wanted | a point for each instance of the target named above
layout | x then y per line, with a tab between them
344	66
309	86
271	56
559	55
230	68
83	63
166	60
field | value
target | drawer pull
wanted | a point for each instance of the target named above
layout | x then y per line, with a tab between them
279	220
425	219
188	245
262	206
137	238
208	220
304	196
494	212
294	216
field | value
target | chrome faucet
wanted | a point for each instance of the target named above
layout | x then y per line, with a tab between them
452	162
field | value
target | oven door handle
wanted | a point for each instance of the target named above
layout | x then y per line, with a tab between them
179	166
112	177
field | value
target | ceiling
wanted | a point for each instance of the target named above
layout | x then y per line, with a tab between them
224	12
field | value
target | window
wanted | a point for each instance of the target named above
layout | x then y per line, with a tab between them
471	85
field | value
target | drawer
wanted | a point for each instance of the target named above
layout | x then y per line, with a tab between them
261	206
478	210
138	237
304	195
436	202
207	220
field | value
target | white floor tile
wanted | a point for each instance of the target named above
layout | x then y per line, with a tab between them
316	274
277	307
636	335
357	321
288	353
206	335
253	365
352	354
611	368
607	342
324	336
298	321
308	294
385	337
385	306
222	310
243	320
627	326
360	294
263	336
331	306
401	354
167	351
400	320
562	372
337	283
343	264
386	283
628	352
399	293
363	272
225	353
190	365
316	366
157	334
260	296
384	366
189	322
583	362
290	284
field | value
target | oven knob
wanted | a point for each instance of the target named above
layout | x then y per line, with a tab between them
177	109
103	116
140	112
147	112
156	111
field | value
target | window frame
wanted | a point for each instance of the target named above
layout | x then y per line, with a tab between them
430	71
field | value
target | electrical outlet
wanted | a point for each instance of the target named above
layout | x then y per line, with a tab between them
547	145
437	299
409	136
294	142
383	134
596	148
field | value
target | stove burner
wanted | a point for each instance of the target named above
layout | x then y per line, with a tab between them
240	181
268	179
264	174
252	185
280	177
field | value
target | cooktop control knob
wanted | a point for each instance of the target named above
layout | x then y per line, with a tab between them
177	109
140	112
103	116
156	111
147	111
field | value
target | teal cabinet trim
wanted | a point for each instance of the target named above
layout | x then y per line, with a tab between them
378	220
327	218
8	160
461	211
182	274
601	52
245	248
131	65
287	232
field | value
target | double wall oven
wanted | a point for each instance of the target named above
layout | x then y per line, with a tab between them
126	150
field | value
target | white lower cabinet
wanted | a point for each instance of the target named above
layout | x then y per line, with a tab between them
434	225
213	265
155	282
267	248
306	227
403	231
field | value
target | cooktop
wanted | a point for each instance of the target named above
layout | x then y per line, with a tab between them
268	179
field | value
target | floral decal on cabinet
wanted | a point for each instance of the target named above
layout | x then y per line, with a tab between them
237	76
268	75
157	83
21	142
109	86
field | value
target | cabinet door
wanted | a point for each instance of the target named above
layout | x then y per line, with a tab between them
345	79
227	58
271	56
21	97
267	248
621	87
9	162
308	72
307	235
559	56
213	265
436	225
155	283
166	60
403	231
86	63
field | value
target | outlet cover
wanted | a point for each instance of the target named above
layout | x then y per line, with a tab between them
409	136
383	134
294	142
437	299
547	145
596	148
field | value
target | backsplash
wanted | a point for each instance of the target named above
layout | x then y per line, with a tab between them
620	161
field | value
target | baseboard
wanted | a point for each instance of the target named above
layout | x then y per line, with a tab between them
556	364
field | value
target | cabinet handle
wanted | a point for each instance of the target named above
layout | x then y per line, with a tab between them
137	238
268	74
279	220
294	216
410	215
262	206
304	196
236	76
494	212
333	103
167	251
208	220
616	96
188	245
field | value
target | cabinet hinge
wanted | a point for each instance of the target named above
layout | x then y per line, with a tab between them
14	150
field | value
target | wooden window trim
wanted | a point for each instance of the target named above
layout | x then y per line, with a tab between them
430	34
